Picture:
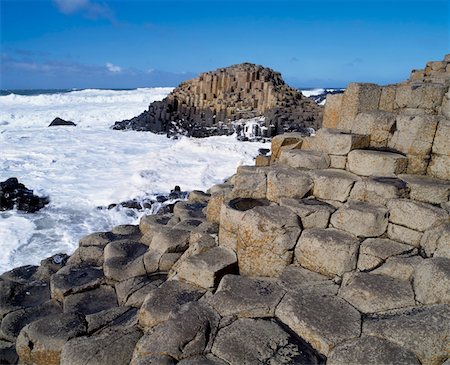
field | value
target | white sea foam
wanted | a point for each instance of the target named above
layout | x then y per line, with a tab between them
312	92
89	166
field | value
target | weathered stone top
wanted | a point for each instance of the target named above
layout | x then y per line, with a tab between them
217	98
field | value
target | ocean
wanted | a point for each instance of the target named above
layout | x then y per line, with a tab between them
84	169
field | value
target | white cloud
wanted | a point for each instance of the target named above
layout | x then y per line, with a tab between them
87	7
113	68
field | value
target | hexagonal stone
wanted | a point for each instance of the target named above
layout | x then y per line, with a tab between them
424	331
41	342
186	210
284	139
91	301
427	189
321	320
102	348
74	279
308	160
337	141
169	297
379	124
124	259
415	215
374	251
402	234
432	281
370	293
100	239
150	224
266	238
294	276
250	185
188	332
376	163
133	291
327	251
400	267
379	189
361	219
436	241
332	184
207	268
170	240
371	350
246	297
313	213
288	183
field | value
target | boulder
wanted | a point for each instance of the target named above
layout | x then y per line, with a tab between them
124	259
287	183
376	163
374	251
379	189
198	196
61	122
415	215
266	238
169	297
332	184
14	195
371	350
308	160
327	251
424	331
188	332
432	281
242	296
8	354
41	342
371	293
102	348
321	320
91	301
313	213
265	342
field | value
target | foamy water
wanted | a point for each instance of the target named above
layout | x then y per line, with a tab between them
89	166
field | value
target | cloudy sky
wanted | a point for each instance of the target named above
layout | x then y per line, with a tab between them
138	43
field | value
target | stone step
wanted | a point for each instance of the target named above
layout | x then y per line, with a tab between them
301	159
336	141
376	163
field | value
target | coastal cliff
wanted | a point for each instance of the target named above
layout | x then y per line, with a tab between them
210	103
335	249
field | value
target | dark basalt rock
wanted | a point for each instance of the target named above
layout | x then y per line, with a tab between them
59	121
15	195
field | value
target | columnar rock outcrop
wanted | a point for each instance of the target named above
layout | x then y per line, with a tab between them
326	252
209	103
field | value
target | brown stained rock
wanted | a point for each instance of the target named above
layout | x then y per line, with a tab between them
332	112
372	293
332	184
426	96
284	139
439	167
321	320
287	183
246	297
329	251
423	330
371	350
432	281
164	300
215	204
41	342
266	239
378	124
441	142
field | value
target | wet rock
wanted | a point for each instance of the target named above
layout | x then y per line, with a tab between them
15	195
91	301
61	122
8	354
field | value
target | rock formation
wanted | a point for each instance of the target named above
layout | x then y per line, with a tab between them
61	122
209	104
335	249
14	195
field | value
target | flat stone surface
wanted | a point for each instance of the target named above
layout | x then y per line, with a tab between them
332	184
124	259
97	239
250	185
327	251
170	240
400	267
308	160
169	297
133	291
370	293
432	281
186	210
312	212
361	219
91	301
74	279
376	163
436	241
379	189
374	251
415	215
378	124
424	331
188	332
294	276
113	347
284	139
149	224
202	360
288	183
258	341
266	238
427	189
323	321
338	142
246	297
111	318
371	350
207	268
403	234
41	342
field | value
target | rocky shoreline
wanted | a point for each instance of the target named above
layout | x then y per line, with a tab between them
335	249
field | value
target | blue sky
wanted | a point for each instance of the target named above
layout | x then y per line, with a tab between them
127	44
